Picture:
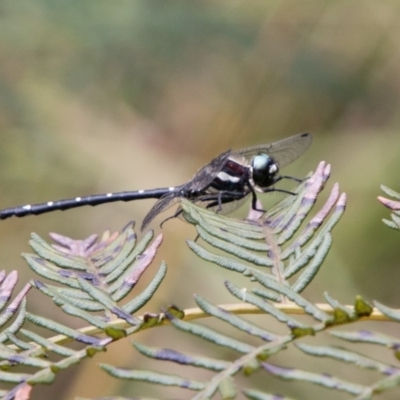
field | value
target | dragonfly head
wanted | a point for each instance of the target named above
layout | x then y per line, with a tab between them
264	170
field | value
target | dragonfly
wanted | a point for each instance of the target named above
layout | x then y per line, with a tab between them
221	185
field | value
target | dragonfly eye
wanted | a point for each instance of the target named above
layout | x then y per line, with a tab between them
264	169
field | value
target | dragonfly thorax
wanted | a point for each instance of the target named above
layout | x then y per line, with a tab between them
264	170
233	176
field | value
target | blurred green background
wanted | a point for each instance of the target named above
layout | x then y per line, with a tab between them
99	96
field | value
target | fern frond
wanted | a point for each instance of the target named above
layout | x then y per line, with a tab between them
270	251
105	273
281	257
393	205
279	254
91	278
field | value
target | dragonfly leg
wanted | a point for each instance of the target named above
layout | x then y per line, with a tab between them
177	214
222	197
279	190
279	178
254	200
225	197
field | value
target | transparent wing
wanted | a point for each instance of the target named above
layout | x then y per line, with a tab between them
283	152
206	175
201	180
162	204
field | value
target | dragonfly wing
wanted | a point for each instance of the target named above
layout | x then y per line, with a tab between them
201	180
207	174
162	204
283	152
